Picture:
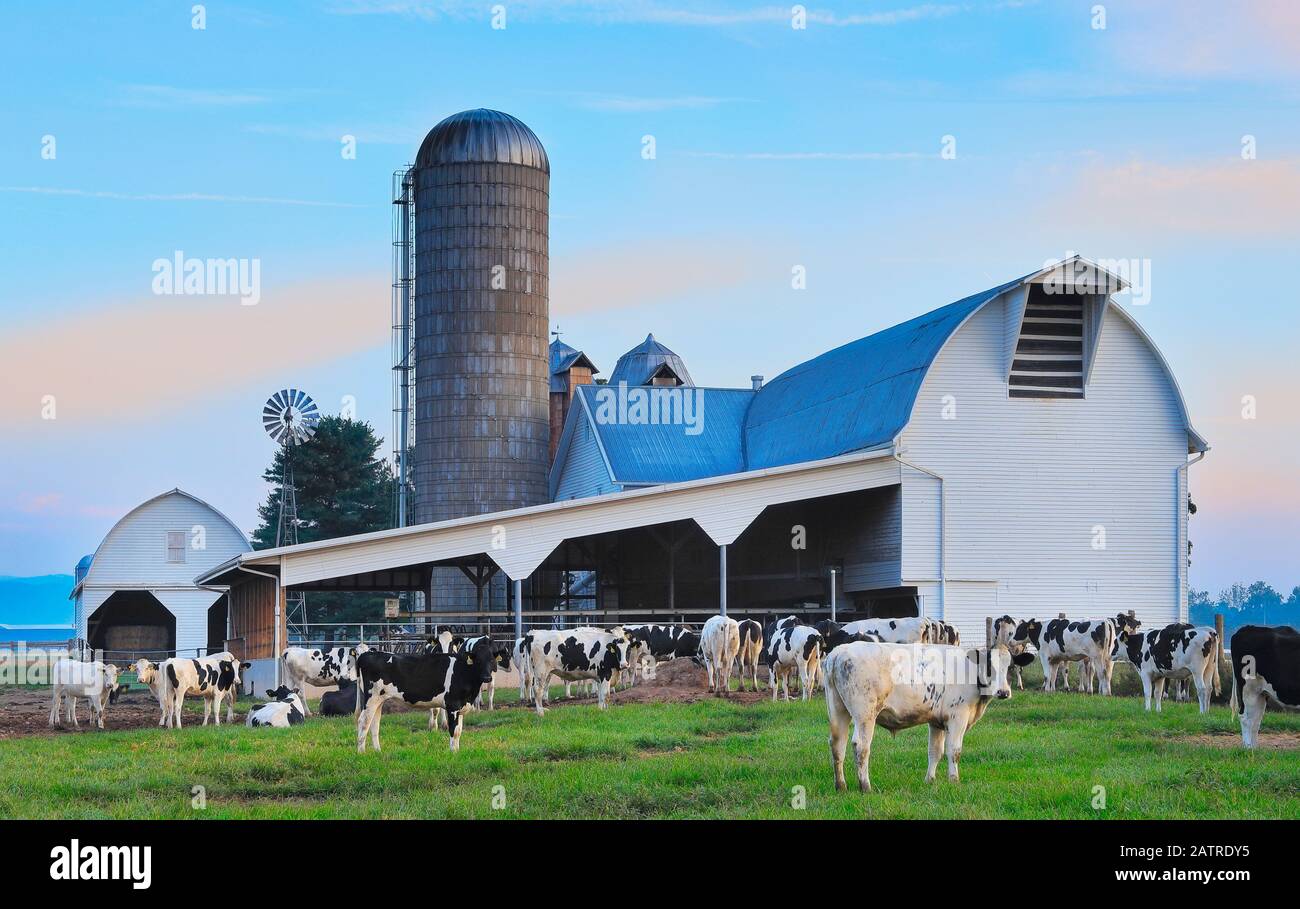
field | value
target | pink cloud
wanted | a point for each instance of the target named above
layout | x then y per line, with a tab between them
38	503
1193	38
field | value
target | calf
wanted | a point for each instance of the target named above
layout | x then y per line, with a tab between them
72	679
795	648
319	666
1061	641
719	645
423	680
340	703
904	685
914	630
214	678
285	709
1004	634
581	654
1176	651
1265	670
751	650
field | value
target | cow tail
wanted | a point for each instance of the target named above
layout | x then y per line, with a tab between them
1218	650
356	711
1235	701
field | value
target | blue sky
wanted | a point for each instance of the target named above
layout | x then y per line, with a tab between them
775	147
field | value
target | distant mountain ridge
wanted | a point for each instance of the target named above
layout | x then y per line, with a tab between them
41	600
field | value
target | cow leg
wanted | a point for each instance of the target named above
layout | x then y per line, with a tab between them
839	737
72	711
538	690
374	725
602	692
1101	669
433	719
1048	671
364	719
455	722
1158	690
54	706
207	708
492	694
773	681
1020	679
1146	690
956	733
937	737
864	729
805	679
1202	691
1253	705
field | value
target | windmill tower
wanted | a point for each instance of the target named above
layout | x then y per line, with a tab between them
290	417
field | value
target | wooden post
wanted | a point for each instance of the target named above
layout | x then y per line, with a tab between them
1218	626
988	631
1060	615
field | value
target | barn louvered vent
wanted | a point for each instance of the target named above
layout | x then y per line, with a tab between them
1049	353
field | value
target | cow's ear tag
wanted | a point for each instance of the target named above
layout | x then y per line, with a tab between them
469	660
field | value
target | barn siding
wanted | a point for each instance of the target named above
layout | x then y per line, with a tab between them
133	556
584	472
874	554
1027	480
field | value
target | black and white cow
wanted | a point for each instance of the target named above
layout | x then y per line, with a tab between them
944	633
913	630
1062	641
423	680
318	666
582	654
342	702
215	678
903	685
795	648
148	673
286	708
751	651
71	679
658	643
1176	651
1004	633
500	653
1265	670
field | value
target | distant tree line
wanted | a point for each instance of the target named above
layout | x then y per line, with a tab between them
1257	604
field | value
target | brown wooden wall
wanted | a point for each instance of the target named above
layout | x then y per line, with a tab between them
252	619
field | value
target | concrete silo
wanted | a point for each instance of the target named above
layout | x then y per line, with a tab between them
482	190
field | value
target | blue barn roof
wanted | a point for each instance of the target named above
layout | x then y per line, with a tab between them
641	362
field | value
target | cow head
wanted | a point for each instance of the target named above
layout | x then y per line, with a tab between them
501	652
284	693
1125	625
480	659
146	671
993	665
1028	630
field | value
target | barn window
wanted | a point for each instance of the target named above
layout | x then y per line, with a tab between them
1048	361
176	546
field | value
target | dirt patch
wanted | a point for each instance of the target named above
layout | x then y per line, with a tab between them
26	711
1279	740
676	682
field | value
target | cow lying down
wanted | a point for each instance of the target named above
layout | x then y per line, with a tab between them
903	685
285	709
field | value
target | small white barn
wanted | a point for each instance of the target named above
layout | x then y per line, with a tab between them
138	596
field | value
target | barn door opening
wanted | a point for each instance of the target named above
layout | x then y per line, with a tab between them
218	622
132	624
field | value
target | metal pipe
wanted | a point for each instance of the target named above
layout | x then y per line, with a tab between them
722	576
1180	552
519	605
832	594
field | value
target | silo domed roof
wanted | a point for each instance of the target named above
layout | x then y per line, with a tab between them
640	364
482	135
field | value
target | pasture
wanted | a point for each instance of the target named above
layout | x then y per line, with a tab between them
1036	756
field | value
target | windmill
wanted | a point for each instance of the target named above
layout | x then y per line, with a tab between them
289	417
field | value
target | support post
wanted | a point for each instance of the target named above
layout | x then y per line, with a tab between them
519	607
280	606
988	631
832	594
1218	627
722	577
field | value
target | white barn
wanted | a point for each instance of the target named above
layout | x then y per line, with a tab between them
137	594
1023	450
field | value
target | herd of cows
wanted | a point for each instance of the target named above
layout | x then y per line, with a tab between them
895	673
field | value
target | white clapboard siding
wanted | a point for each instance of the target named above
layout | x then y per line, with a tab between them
969	604
873	558
1028	480
584	472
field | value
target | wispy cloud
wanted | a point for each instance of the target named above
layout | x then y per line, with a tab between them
812	156
643	12
1199	38
130	361
30	503
173	96
174	197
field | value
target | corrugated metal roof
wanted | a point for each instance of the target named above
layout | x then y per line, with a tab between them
482	135
564	357
667	453
640	363
853	397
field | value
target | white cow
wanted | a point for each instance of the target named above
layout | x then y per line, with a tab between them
319	666
903	685
719	644
148	673
72	679
796	648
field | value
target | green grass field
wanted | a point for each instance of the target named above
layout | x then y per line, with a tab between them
1037	756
